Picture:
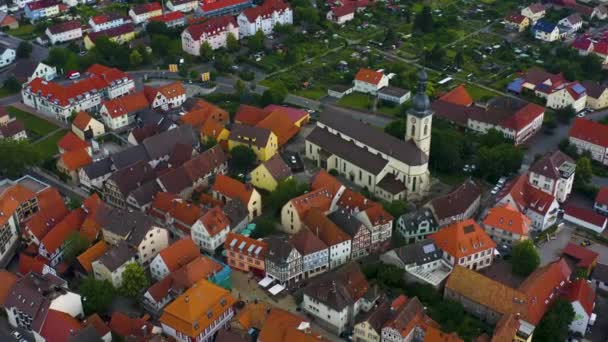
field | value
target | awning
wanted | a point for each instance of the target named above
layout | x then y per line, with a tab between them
265	282
276	289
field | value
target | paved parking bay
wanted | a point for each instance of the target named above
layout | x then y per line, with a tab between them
550	251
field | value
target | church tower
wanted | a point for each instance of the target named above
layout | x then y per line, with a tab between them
420	117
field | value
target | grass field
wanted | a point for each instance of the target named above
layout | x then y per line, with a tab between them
4	92
312	93
48	146
32	123
25	32
357	101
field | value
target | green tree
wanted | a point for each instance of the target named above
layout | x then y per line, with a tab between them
16	156
239	87
96	295
564	115
232	44
264	226
447	150
584	171
525	258
396	129
274	95
459	59
435	55
74	203
206	52
12	85
423	21
390	276
75	244
222	63
134	280
285	191
157	27
243	158
135	58
396	208
499	160
256	42
492	138
24	50
554	324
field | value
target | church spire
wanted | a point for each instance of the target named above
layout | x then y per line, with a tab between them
421	105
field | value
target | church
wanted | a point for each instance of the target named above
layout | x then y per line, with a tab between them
390	168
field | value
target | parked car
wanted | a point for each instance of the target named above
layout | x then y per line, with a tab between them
73	75
16	335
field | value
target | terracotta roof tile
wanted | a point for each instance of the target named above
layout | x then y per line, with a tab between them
265	10
171	90
74	160
324	228
91	254
235	246
113	32
146	8
525	196
590	131
602	196
250	115
81	120
306	242
232	188
212	129
28	263
583	256
586	215
169	17
369	76
125	326
318	199
282	128
71	142
458	96
202	112
179	253
11	199
7	280
509	219
581	291
99	324
215	221
212	26
294	114
58	326
281	326
202	267
126	104
462	239
57	236
324	180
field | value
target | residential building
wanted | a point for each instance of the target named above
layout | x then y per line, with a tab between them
276	122
264	17
553	174
85	127
246	254
249	115
18	203
7	55
175	256
261	140
106	21
166	97
41	9
123	182
229	189
112	264
120	112
601	201
579	257
422	262
417	226
140	14
585	218
534	12
84	95
283	262
581	296
281	325
51	210
460	204
599	277
64	32
314	253
597	95
370	81
466	244
214	32
133	328
86	258
53	244
8	21
71	162
198	313
237	215
214	8
26	70
171	19
203	168
175	213
182	5
389	167
571	94
11	128
119	35
571	23
34	295
210	231
393	94
335	299
138	230
268	174
592	137
484	297
341	15
540	207
338	242
546	31
507	225
517	22
94	175
360	235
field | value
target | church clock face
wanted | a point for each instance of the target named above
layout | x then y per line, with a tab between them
413	120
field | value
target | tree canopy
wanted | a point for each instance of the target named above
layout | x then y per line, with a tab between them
285	190
16	156
24	50
524	258
96	295
554	324
243	158
75	244
423	21
134	280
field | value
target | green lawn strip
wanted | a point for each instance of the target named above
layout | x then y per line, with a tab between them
33	123
477	93
4	92
357	101
25	32
312	93
48	146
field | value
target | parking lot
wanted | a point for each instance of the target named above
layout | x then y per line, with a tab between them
550	251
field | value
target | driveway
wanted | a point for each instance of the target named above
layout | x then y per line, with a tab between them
599	332
550	251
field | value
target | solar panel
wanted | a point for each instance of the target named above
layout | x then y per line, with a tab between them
233	242
579	89
242	245
258	250
430	248
250	249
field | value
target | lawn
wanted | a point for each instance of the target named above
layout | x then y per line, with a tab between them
478	93
48	146
356	101
312	93
32	123
25	32
4	92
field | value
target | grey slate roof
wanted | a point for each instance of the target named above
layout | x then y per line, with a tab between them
279	249
145	193
98	168
549	164
129	156
250	135
411	221
600	272
340	288
347	222
86	334
347	150
131	177
419	253
236	212
393	91
116	256
175	181
161	144
405	151
132	225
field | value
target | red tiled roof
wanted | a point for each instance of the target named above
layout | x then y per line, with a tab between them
81	120
99	324
283	129
126	104
37	5
160	289
7	280
523	117
602	196
169	17
294	114
171	90
202	267
93	253
584	44
580	291
232	188
323	180
586	257
57	236
515	18
369	76
343	10
208	6
146	8
250	115
28	263
65	27
590	131
125	326
525	196
459	96
228	245
462	239
601	47
509	219
71	142
542	287
211	26
74	160
265	10
586	215
112	32
215	220
324	228
179	253
59	326
51	210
